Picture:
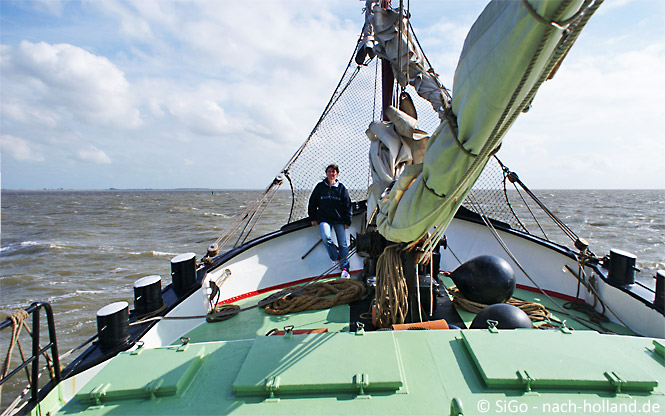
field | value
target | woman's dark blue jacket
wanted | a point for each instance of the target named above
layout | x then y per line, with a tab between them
331	204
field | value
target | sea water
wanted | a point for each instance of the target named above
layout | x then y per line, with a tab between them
81	250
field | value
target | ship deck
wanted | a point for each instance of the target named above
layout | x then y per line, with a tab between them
231	367
255	322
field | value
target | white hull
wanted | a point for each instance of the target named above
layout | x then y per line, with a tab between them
277	262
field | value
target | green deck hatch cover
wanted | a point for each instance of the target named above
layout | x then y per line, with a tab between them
533	359
327	363
158	372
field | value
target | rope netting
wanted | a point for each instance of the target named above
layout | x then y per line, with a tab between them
339	137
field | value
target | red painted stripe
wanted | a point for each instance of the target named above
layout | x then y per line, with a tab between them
550	293
536	290
282	286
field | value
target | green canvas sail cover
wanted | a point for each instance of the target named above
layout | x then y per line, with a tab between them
508	53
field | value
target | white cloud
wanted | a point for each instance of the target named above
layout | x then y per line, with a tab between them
94	155
21	112
69	80
279	108
203	117
19	149
252	39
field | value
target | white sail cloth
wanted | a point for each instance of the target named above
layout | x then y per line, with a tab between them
393	146
381	36
505	55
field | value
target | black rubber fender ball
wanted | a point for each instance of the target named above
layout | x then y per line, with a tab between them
485	279
507	317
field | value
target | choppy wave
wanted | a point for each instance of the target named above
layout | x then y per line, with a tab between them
31	247
216	214
89	292
152	253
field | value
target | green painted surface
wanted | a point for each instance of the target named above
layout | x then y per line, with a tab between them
255	322
283	365
436	368
144	373
569	360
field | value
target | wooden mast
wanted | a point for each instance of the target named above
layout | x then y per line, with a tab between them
387	76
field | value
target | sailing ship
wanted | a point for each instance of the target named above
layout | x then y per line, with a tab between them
454	306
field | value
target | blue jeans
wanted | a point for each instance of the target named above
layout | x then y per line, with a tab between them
335	253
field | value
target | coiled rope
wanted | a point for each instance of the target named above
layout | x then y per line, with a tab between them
391	290
223	312
536	311
320	295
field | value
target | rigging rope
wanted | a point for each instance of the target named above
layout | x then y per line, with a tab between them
254	220
18	322
245	217
391	291
514	179
559	25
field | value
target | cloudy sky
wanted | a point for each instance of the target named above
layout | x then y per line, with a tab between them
169	94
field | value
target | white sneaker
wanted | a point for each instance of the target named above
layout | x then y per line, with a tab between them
345	274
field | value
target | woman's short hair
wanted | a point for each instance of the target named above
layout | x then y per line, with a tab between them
334	166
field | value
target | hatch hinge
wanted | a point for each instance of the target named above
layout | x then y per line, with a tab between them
272	385
99	392
154	386
659	348
615	380
361	380
526	379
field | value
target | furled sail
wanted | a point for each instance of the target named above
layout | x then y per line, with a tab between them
510	50
386	34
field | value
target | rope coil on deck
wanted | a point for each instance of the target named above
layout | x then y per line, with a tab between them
223	312
319	295
536	311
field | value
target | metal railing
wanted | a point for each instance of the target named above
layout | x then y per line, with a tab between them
37	350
